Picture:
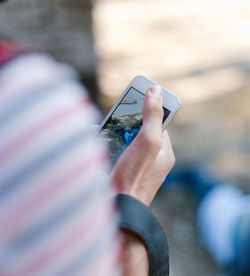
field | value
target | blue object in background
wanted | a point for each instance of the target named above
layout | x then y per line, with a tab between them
223	215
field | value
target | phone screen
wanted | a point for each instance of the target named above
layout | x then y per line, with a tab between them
125	123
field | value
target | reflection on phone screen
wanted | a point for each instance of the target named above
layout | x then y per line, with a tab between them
125	123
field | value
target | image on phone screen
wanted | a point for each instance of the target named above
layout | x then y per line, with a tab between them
125	123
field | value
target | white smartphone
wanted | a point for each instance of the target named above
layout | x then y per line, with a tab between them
124	120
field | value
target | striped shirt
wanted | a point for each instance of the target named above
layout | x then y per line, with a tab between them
55	218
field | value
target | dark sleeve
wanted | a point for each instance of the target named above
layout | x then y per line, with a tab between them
137	217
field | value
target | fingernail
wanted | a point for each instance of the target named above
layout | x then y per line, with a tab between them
155	91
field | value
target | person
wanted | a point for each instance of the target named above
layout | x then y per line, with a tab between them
58	214
223	216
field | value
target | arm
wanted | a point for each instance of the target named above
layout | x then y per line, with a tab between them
134	255
140	172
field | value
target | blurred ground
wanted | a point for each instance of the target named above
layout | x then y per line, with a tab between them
200	50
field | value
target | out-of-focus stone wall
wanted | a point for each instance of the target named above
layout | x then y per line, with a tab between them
62	28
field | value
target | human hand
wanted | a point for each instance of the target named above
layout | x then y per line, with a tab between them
144	165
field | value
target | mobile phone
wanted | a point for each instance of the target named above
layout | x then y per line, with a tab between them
124	120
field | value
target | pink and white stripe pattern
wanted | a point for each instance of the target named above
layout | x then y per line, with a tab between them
55	214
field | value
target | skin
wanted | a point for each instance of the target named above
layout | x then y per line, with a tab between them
139	173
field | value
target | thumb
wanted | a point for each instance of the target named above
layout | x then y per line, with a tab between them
152	111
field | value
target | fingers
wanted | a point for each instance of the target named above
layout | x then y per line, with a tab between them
167	148
152	110
150	136
166	143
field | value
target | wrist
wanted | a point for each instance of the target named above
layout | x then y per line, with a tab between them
140	196
134	254
137	218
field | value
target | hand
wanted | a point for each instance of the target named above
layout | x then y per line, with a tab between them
144	165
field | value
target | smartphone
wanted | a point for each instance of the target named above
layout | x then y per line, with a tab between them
124	120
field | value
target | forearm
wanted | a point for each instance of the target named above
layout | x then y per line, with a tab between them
134	255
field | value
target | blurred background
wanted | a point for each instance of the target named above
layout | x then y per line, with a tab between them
200	50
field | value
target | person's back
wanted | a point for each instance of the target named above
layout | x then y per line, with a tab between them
54	214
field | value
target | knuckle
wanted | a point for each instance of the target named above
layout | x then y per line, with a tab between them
151	142
172	160
169	161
